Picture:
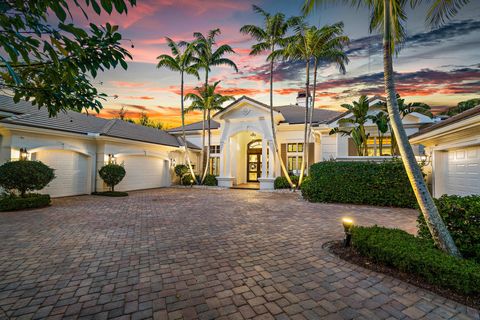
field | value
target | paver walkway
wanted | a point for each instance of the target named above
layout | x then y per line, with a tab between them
193	253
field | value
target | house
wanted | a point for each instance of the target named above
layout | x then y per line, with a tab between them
452	147
77	145
241	150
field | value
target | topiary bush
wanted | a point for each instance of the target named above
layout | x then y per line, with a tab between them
112	174
210	180
407	253
186	179
28	201
282	182
462	218
180	170
376	183
24	176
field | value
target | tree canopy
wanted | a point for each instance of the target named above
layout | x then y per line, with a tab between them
48	60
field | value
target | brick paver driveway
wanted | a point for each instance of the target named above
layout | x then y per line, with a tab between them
193	253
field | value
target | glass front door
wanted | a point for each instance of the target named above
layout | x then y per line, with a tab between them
254	170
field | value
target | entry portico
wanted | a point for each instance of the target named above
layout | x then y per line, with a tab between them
246	144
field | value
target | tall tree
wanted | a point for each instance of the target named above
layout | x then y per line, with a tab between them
208	100
145	121
270	36
207	55
52	61
388	17
182	62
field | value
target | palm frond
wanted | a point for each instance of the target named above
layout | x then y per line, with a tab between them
443	10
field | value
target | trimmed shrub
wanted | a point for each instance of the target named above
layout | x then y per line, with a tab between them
29	201
210	180
112	174
24	176
110	194
381	184
282	183
462	218
407	253
186	179
181	170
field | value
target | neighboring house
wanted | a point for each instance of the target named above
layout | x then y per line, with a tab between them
453	149
77	145
241	148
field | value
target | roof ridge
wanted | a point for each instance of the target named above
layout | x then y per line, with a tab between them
107	126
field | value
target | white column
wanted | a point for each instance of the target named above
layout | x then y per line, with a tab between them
264	158
222	159
227	158
271	160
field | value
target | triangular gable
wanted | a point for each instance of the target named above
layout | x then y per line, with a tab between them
246	107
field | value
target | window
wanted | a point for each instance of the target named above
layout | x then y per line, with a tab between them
294	157
373	146
214	166
215	149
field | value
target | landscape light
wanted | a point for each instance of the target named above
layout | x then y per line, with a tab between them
23	154
191	183
347	228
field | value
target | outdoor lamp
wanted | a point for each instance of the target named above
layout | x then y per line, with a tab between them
173	162
294	187
111	158
347	227
23	154
191	183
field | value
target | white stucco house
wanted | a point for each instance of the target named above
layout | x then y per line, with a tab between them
452	148
241	147
77	145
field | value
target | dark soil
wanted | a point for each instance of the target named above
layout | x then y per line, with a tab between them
350	255
110	194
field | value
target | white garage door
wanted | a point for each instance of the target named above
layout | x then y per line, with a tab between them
71	171
143	173
463	171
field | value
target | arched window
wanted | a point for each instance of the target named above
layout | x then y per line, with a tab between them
255	144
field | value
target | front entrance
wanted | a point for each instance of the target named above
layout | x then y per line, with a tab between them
254	160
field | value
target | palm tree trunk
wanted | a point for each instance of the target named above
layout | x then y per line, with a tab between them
440	234
209	134
305	131
274	133
205	170
187	156
315	67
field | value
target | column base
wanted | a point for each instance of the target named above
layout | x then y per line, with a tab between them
266	183
225	182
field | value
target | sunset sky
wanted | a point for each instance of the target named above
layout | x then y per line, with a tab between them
440	67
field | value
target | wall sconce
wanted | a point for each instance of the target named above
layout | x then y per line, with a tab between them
111	159
347	228
23	154
425	159
173	162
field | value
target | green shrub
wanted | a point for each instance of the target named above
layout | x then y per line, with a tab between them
462	218
382	184
210	180
112	174
282	183
416	256
24	176
186	179
28	201
181	170
110	194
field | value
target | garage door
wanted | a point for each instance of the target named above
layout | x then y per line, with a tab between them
71	171
463	171
143	173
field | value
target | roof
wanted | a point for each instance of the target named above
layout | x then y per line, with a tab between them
457	118
75	122
196	126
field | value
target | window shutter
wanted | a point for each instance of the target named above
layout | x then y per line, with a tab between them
283	155
352	150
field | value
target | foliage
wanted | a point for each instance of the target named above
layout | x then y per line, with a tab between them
112	174
52	63
180	170
462	218
462	106
381	184
29	201
25	175
382	122
396	248
282	182
111	194
187	179
145	121
210	180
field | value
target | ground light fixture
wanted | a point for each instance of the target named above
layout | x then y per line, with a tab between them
294	187
23	154
191	183
347	228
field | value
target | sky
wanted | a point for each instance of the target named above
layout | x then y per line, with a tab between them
440	66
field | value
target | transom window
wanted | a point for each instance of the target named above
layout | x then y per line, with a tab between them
215	149
255	144
295	147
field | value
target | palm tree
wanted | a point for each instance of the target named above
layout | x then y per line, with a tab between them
388	16
207	56
180	61
382	122
311	43
207	100
269	37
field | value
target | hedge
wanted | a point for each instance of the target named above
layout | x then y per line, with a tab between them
29	201
210	180
375	183
282	183
407	253
462	218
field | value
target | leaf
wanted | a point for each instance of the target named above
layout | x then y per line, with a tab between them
107	5
59	11
96	7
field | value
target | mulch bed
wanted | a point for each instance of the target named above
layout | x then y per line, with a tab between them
350	255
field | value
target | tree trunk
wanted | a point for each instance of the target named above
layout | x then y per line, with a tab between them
274	134
440	234
209	134
204	114
182	108
305	131
315	67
